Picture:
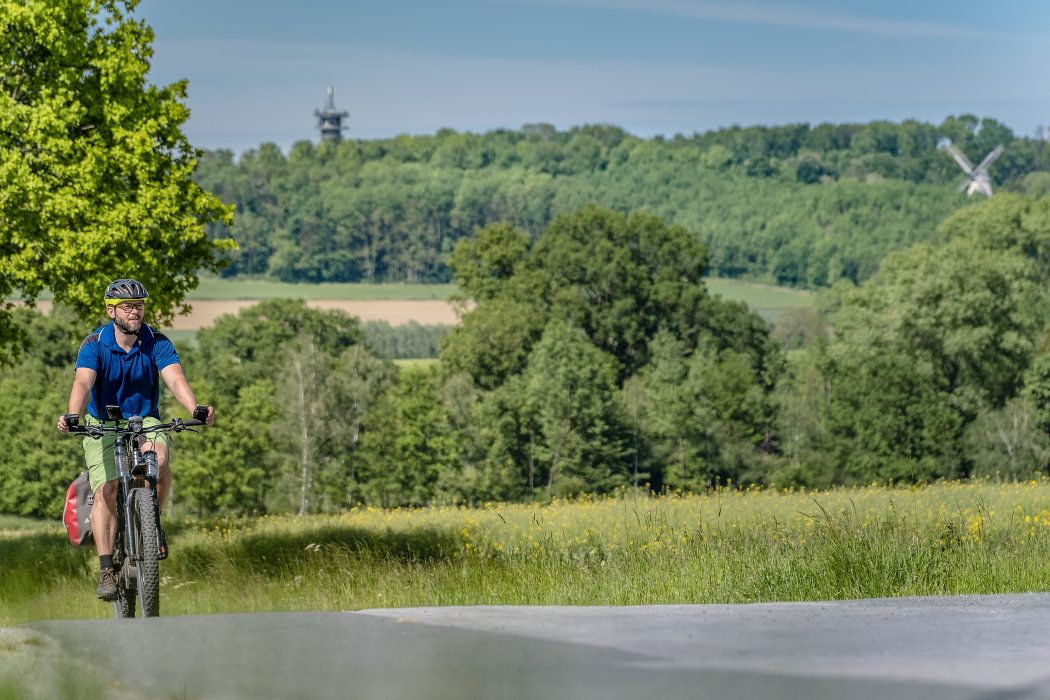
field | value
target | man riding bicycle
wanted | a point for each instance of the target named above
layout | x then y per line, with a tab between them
119	365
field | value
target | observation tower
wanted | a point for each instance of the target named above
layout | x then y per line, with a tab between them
330	119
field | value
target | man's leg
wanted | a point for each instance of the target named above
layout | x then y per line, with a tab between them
104	531
98	455
164	479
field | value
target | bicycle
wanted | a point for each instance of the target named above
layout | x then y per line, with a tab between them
137	548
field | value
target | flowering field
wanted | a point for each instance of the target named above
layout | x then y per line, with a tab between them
726	546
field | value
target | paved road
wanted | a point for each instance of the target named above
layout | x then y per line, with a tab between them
930	648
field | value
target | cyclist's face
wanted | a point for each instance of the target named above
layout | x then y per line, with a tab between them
128	317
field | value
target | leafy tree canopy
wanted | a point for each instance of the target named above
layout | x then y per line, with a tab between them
244	348
95	173
970	312
619	278
1007	221
796	204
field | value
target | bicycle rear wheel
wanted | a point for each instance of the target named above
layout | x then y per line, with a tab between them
144	508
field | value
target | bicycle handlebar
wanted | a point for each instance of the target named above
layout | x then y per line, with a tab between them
134	427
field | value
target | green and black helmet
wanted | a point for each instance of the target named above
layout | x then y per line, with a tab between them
122	290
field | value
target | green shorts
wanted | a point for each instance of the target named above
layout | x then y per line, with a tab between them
98	454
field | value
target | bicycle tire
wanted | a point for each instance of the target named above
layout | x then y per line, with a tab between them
124	605
145	513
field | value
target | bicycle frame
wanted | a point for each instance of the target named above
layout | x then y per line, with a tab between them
137	471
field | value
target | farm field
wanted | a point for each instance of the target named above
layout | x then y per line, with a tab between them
768	300
401	303
424	304
214	289
726	546
395	312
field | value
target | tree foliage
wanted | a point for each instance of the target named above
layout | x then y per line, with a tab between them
95	173
592	358
569	387
602	301
797	204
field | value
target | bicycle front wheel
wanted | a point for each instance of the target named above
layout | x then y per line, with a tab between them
124	605
145	510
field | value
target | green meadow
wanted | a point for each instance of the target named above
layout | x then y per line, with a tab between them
239	289
769	300
726	546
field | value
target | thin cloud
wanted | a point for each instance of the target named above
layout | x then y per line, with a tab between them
780	15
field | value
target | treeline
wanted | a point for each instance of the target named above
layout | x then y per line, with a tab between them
592	359
799	205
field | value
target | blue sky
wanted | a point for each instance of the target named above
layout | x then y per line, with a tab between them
257	70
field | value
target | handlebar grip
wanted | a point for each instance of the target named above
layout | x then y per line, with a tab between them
200	414
72	420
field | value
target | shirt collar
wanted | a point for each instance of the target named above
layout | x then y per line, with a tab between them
107	336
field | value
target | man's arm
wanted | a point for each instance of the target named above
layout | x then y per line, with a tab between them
175	379
83	380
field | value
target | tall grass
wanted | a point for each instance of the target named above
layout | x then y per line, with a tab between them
724	547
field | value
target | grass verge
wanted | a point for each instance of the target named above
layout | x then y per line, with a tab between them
723	547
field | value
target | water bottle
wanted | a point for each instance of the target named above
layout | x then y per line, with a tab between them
152	467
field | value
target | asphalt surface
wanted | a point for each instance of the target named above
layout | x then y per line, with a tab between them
930	648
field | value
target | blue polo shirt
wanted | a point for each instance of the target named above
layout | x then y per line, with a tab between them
129	379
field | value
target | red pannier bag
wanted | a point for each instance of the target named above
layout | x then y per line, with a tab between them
77	513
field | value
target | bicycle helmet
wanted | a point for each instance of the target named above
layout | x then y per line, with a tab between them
123	290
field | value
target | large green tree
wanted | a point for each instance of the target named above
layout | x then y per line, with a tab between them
937	338
600	290
569	392
95	172
619	278
410	454
239	349
971	313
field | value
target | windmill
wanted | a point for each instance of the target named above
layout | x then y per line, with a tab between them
977	179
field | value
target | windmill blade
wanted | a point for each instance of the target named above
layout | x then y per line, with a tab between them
990	158
965	186
965	164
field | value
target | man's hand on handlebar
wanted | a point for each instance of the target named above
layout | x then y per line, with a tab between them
67	421
206	414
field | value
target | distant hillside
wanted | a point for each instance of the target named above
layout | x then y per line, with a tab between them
798	205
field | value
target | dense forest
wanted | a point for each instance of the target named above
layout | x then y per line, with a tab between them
798	205
592	359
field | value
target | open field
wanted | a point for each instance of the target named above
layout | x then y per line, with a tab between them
723	547
768	300
400	303
224	290
394	312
